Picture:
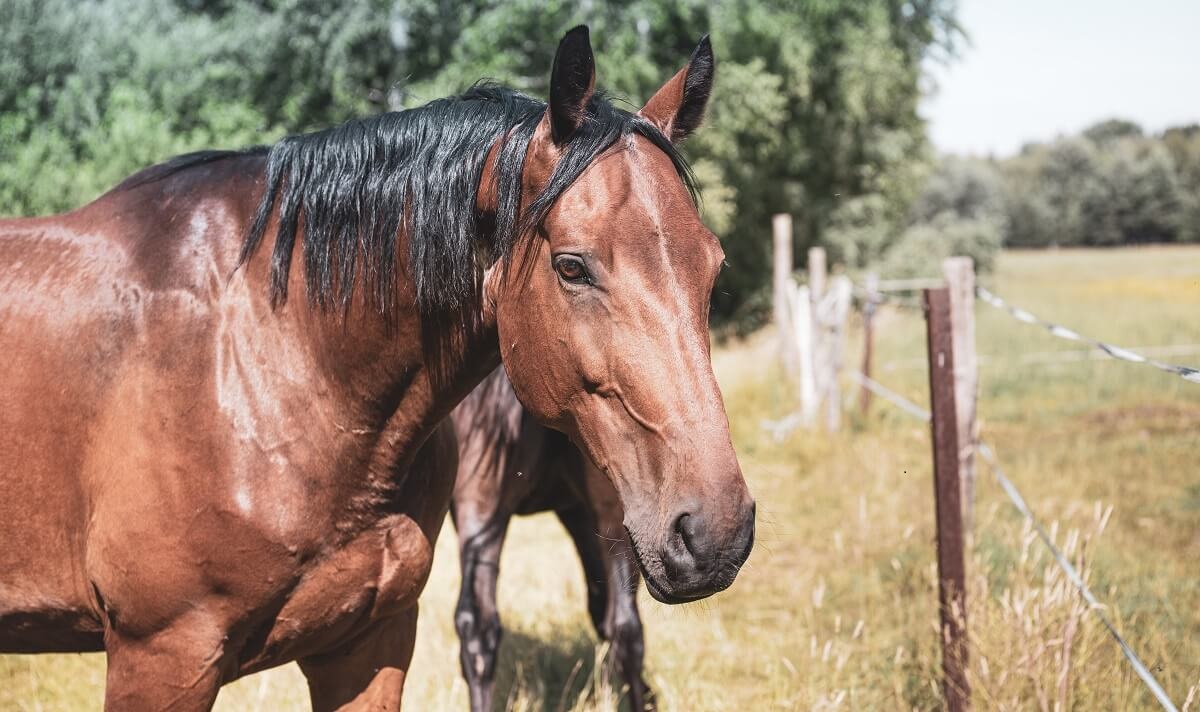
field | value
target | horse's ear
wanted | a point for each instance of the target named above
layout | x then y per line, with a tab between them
572	81
678	107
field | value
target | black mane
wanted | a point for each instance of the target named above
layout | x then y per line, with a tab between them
357	185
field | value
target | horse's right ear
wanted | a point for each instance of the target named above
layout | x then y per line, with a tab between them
572	81
678	107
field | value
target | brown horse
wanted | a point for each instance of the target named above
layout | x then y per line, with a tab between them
204	478
509	464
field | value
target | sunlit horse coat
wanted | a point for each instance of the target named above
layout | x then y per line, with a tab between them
204	477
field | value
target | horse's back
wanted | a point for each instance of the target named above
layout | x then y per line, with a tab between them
84	299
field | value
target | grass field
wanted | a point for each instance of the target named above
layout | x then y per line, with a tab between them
836	608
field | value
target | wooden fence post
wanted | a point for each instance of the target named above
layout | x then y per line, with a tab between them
960	279
834	311
952	598
805	335
869	305
816	273
817	354
781	231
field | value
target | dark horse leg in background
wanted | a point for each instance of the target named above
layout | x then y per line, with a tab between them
509	465
476	617
596	527
489	423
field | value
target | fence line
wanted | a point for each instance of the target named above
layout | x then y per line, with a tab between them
875	293
1068	356
891	396
910	285
1124	354
1021	506
891	299
1185	372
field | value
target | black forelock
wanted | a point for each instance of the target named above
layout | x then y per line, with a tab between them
355	188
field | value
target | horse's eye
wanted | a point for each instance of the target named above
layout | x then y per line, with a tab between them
571	269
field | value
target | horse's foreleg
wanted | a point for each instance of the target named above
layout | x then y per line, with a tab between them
178	668
367	673
476	617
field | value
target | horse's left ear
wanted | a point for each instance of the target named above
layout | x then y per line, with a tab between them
678	107
572	81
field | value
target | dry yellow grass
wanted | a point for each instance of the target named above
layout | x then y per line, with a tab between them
836	608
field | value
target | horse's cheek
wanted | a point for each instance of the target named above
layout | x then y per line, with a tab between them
536	347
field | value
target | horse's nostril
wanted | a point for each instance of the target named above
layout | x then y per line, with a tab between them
685	527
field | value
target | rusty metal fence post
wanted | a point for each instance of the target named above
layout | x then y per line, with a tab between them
952	597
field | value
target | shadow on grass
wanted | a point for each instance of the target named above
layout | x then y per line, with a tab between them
554	674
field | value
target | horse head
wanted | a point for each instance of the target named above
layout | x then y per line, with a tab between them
602	314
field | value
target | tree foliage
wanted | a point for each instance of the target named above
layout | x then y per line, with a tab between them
815	109
92	91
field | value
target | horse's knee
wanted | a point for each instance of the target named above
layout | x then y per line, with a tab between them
407	563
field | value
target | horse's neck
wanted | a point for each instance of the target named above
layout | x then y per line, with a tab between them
378	399
382	383
394	370
413	379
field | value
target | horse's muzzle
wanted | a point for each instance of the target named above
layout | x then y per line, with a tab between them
701	554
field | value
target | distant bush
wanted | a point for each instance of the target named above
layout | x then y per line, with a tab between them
860	231
1111	185
960	210
922	247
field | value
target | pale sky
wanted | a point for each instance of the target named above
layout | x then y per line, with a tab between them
1034	70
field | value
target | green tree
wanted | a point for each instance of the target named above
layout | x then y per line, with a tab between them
815	109
1183	143
92	91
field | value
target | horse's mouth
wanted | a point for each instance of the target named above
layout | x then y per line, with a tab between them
652	585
